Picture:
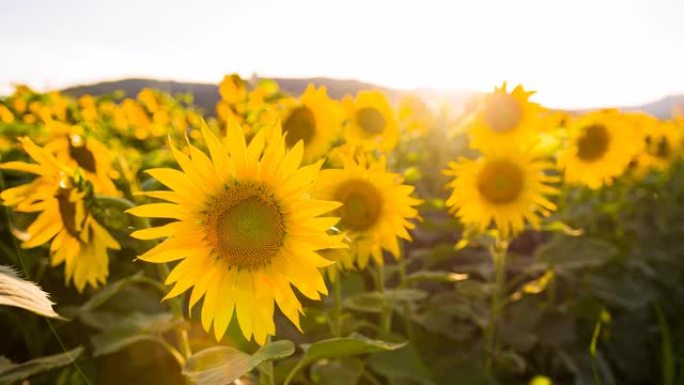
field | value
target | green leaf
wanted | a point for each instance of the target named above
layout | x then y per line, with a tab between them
401	364
435	276
561	227
375	301
109	291
353	345
221	365
337	372
11	372
24	294
565	252
137	327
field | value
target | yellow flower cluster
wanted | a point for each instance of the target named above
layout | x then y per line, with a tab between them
245	213
277	188
524	152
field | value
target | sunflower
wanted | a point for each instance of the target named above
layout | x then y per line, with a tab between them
233	89
601	146
245	230
508	188
376	206
370	121
312	120
6	115
503	119
662	143
78	240
414	115
72	148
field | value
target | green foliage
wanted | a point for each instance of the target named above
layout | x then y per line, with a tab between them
10	372
221	365
353	345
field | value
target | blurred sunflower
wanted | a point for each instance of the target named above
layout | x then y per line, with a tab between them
6	116
662	142
507	189
233	89
72	148
504	119
371	122
601	146
376	206
245	230
78	240
312	120
414	115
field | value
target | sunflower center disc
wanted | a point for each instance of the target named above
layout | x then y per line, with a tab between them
67	210
659	148
594	143
81	154
245	227
361	205
299	125
501	182
502	113
370	120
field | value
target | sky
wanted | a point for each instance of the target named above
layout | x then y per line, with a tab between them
574	53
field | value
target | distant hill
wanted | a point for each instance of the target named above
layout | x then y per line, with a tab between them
662	108
206	95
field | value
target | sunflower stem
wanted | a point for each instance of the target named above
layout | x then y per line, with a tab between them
408	324
337	310
177	310
386	311
173	351
163	270
269	367
498	253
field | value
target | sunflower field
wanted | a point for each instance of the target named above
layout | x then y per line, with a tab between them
372	240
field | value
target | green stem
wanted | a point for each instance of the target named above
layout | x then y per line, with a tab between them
337	311
266	375
172	350
551	289
498	253
177	310
163	270
386	311
408	324
368	376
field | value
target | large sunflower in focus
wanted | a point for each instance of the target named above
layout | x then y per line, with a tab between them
376	207
507	189
504	119
312	120
601	146
72	148
78	240
245	230
371	122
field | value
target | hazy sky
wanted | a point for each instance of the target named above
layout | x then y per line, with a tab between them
575	53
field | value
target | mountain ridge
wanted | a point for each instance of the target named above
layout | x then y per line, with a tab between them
206	94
